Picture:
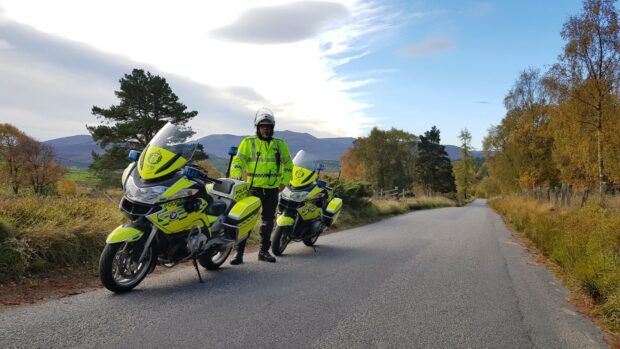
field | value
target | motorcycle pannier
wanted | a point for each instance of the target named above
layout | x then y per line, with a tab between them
243	216
332	211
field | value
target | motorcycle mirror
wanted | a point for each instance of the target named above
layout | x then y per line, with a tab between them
134	155
232	151
320	167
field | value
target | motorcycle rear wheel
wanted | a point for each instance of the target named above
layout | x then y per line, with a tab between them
118	270
280	241
212	260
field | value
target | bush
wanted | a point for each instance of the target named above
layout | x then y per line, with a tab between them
40	234
352	192
67	187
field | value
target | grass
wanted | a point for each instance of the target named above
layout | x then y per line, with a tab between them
81	176
583	242
372	211
43	234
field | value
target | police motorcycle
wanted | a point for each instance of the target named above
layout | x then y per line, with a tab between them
172	215
307	205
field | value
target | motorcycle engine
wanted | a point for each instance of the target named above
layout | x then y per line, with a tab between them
196	241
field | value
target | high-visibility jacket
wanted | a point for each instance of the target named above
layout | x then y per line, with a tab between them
273	167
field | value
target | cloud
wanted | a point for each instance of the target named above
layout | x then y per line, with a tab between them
428	47
50	84
482	102
4	45
224	81
282	24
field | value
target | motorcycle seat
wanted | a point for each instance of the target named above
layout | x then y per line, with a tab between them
225	186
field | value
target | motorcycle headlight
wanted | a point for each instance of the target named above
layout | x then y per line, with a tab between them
297	196
148	195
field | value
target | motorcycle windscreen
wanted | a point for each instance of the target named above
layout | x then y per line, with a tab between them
244	215
167	152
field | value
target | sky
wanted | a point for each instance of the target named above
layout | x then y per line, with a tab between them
330	68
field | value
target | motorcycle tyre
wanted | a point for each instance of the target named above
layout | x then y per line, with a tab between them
206	260
280	241
105	269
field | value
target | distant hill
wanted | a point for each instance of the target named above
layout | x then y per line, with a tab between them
76	150
324	148
455	154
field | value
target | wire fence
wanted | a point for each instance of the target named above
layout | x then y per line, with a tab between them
567	195
391	194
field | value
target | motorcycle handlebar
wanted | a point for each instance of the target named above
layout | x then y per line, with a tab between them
192	172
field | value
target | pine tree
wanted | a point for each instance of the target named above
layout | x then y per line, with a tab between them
433	167
147	103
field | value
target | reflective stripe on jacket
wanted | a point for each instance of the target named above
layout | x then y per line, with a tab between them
269	172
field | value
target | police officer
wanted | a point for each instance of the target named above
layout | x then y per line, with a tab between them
268	165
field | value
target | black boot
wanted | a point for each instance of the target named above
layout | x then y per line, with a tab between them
238	258
264	255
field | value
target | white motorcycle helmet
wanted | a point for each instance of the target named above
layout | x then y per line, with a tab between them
264	116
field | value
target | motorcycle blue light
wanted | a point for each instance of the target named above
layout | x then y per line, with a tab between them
232	151
134	155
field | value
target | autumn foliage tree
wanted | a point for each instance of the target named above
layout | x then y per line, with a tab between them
387	158
563	126
465	169
27	162
587	76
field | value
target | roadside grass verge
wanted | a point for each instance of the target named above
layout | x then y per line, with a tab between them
365	212
39	235
583	242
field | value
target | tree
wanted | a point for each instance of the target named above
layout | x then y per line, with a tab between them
350	166
26	161
464	169
433	167
147	103
588	71
518	152
388	157
12	142
42	168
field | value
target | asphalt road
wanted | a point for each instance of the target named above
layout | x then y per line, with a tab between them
443	278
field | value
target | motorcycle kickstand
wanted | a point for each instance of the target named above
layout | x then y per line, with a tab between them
198	271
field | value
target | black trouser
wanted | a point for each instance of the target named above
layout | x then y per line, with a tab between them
269	200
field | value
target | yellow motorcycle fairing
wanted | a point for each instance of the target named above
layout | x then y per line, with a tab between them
314	192
302	177
173	218
285	221
123	233
127	171
309	211
157	162
244	215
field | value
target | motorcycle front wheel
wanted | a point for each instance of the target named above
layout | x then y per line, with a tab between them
119	269
280	240
212	259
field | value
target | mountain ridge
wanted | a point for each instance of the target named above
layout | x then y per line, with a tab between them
76	150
